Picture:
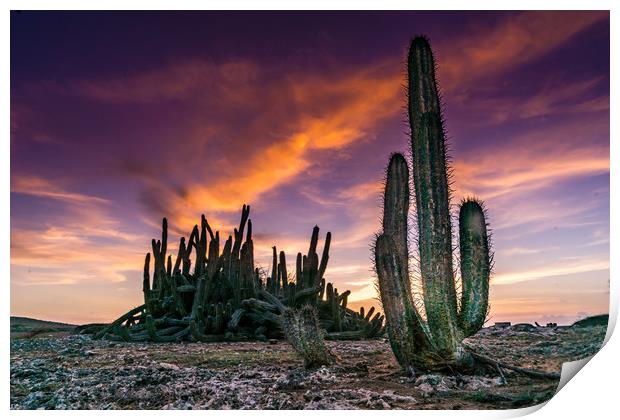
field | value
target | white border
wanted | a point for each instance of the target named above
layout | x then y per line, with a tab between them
590	396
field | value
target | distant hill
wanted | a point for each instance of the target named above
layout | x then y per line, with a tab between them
592	321
23	327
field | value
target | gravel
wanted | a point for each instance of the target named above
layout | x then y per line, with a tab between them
75	372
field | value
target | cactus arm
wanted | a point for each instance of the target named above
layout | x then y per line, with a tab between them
180	256
432	198
405	331
146	288
164	238
246	270
324	257
395	212
314	240
193	240
155	246
274	270
283	273
245	213
214	252
475	266
298	270
208	227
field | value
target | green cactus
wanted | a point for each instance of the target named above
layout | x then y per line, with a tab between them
475	266
303	331
437	341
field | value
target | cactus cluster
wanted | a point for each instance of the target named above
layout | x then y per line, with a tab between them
432	338
223	296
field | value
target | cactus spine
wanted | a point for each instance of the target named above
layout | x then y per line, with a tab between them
435	342
475	266
303	331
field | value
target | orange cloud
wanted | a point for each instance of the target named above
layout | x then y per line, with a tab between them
515	41
340	111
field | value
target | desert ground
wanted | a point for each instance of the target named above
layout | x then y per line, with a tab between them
51	368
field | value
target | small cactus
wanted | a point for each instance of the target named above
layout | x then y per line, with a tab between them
302	329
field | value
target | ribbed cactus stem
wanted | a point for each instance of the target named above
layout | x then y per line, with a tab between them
395	301
311	266
405	327
246	269
214	252
283	267
432	197
324	257
226	257
298	270
164	238
146	287
475	266
180	255
395	213
274	270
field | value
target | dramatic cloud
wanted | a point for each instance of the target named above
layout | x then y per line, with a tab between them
513	42
324	113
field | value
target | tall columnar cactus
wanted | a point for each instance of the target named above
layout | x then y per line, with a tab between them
436	342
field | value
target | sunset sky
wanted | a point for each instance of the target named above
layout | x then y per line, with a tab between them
121	118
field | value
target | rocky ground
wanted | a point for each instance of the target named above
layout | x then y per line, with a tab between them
75	372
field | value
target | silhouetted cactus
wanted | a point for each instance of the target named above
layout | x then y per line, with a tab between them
436	342
225	297
302	329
